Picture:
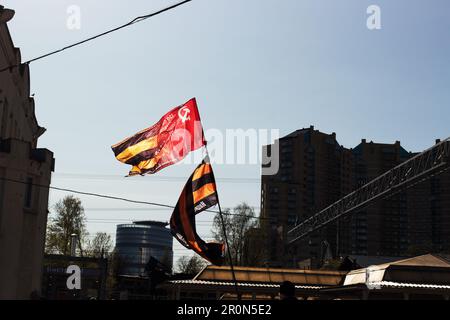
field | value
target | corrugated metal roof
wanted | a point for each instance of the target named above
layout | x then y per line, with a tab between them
390	284
271	275
242	284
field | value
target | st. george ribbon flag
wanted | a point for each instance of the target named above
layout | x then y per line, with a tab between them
167	142
199	194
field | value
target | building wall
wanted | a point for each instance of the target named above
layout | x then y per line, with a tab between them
429	215
315	171
23	206
380	229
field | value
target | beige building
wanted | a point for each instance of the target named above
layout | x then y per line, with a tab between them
425	277
216	283
25	173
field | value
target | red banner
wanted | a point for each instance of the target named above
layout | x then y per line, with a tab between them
167	142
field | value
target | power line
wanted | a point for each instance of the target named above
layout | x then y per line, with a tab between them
202	225
140	210
98	195
103	177
131	220
205	236
135	20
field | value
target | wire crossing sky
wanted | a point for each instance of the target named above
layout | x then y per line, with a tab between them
104	196
135	20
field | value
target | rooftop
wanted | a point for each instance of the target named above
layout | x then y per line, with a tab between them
427	269
272	276
151	223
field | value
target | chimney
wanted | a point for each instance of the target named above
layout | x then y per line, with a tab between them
73	244
363	141
438	141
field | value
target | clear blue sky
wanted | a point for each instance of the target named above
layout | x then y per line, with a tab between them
251	64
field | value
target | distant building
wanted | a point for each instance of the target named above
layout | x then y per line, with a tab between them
429	215
93	278
315	171
136	243
382	228
23	205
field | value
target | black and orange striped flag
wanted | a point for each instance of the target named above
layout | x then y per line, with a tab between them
199	194
168	141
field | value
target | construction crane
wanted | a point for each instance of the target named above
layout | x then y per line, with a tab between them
423	166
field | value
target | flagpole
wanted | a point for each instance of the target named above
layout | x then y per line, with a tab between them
226	240
228	249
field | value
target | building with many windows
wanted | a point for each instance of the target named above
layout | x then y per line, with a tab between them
315	171
382	228
136	243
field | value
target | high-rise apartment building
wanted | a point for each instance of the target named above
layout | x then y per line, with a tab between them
382	228
315	171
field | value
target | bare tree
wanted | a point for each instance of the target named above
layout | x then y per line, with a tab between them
238	227
190	264
100	245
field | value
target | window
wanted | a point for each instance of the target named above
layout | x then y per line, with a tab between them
286	150
4	119
292	219
28	193
286	164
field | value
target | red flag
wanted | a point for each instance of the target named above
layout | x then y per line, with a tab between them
168	141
